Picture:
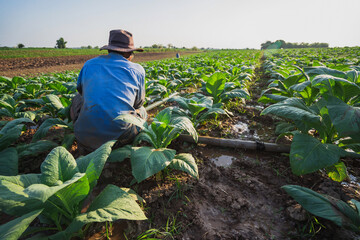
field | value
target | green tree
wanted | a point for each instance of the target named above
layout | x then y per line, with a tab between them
20	45
60	43
266	45
157	46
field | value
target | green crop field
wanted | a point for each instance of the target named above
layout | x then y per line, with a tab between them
303	100
56	52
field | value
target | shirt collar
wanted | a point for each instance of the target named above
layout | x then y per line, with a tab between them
116	55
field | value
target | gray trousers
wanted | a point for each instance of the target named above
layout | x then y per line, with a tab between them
126	138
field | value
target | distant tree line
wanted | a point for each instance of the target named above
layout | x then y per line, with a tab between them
61	43
282	44
169	46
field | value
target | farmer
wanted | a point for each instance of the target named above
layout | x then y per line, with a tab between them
108	86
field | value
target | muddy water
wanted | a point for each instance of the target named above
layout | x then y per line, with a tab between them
223	160
252	131
354	182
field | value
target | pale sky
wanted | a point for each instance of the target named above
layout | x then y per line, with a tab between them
183	23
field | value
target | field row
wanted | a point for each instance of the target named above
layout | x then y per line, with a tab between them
311	95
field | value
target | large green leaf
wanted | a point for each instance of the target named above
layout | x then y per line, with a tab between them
294	80
307	154
34	102
28	114
185	124
133	119
93	163
43	192
196	108
58	167
185	162
236	93
7	106
315	71
34	149
272	98
22	180
215	84
5	112
300	86
10	136
284	127
146	161
147	135
58	87
68	199
164	116
183	102
117	203
112	204
208	113
346	119
16	81
46	125
324	206
15	123
352	75
68	141
9	162
25	193
339	87
32	88
54	101
195	105
294	109
12	230
7	101
120	154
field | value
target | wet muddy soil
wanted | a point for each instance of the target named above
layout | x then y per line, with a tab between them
238	196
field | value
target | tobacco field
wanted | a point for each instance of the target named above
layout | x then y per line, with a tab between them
291	171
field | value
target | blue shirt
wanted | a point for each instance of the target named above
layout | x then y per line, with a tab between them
110	85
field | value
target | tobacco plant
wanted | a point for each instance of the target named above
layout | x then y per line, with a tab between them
322	101
57	195
14	109
8	154
342	214
197	108
147	161
221	90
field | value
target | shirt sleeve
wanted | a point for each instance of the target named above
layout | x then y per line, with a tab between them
140	97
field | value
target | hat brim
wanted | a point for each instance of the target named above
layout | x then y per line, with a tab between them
117	49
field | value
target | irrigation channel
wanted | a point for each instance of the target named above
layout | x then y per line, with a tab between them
232	143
